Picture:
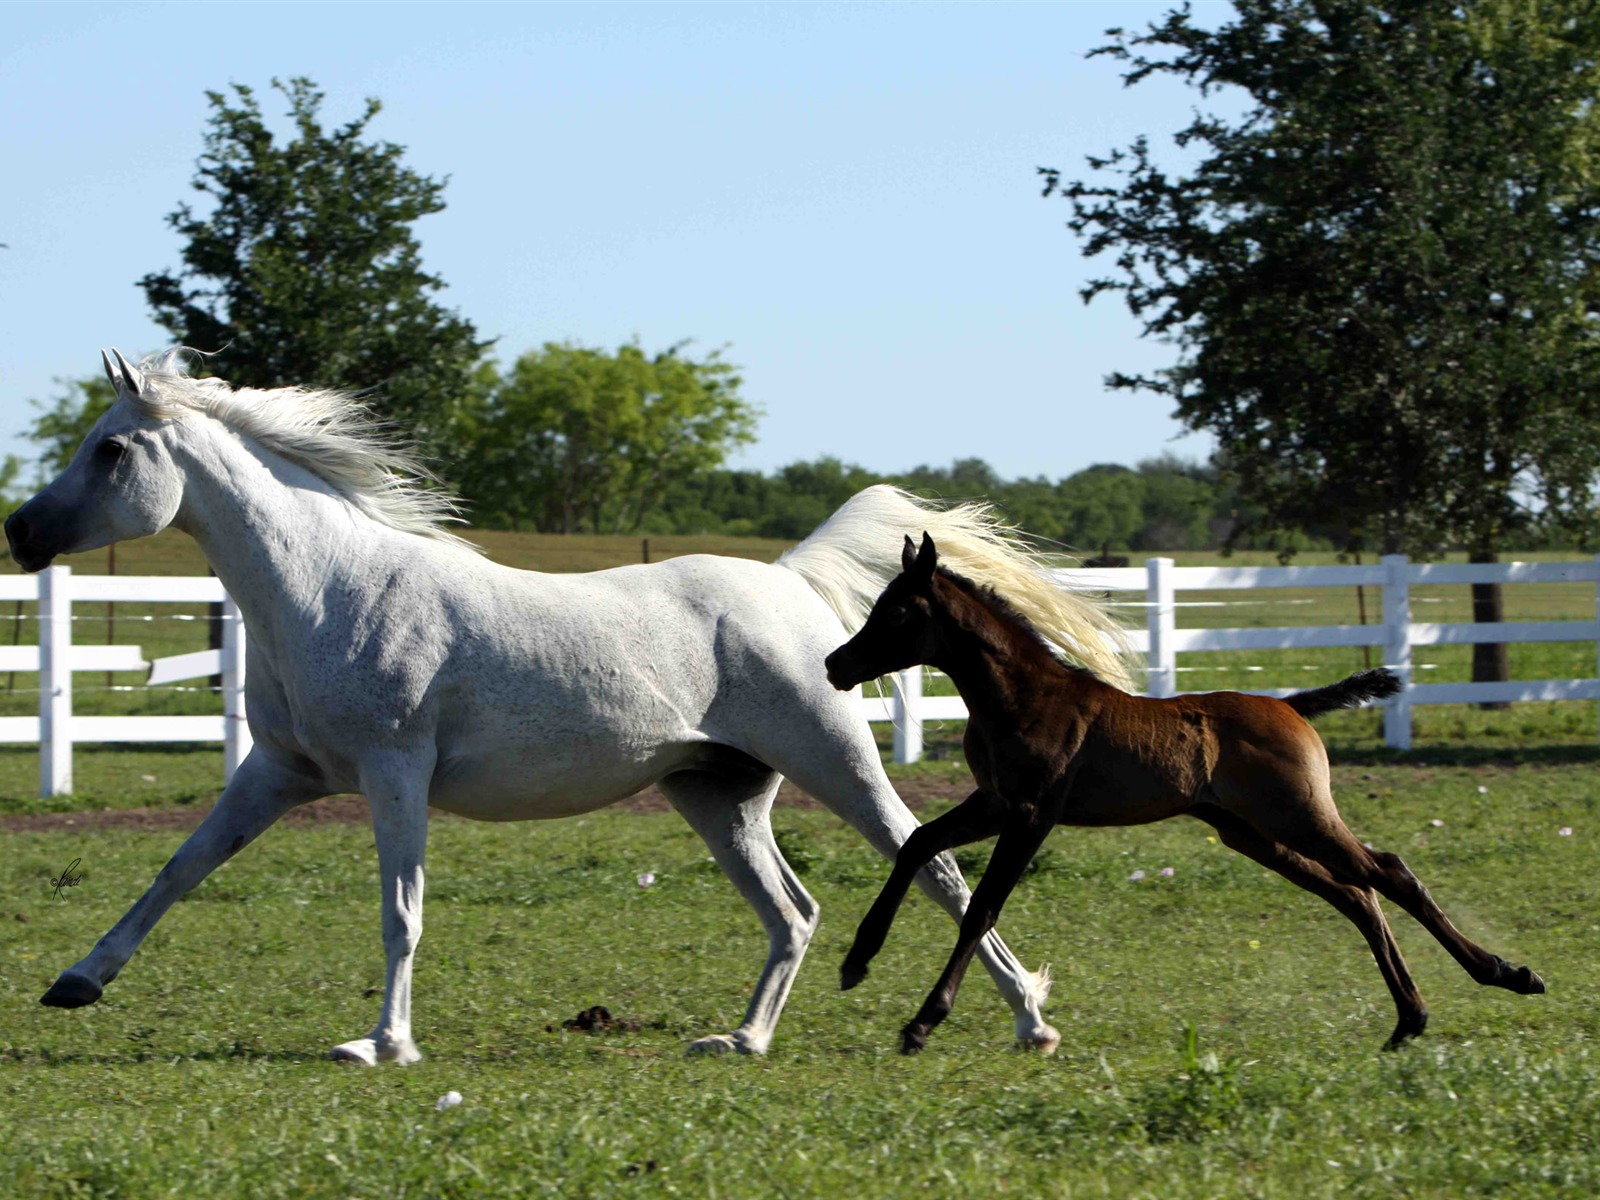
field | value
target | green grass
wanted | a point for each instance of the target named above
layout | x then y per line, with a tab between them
201	1074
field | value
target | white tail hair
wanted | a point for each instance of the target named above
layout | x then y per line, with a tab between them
851	557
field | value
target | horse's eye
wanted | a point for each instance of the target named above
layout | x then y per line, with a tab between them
111	449
896	613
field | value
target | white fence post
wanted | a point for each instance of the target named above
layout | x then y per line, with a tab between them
908	716
55	681
236	733
1162	620
1397	647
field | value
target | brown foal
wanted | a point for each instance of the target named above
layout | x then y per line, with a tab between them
1051	744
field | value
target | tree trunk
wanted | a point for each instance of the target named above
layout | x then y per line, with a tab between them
1489	661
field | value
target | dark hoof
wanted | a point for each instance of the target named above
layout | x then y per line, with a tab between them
1517	979
913	1038
1408	1028
71	991
850	974
1527	983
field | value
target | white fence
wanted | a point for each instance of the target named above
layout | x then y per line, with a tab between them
56	658
1160	580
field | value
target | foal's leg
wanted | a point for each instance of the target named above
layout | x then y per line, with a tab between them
1019	841
731	814
397	792
844	774
1357	904
1313	828
977	817
260	792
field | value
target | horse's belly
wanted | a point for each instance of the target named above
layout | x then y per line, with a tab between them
540	785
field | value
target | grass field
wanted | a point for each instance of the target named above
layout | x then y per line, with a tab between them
201	1074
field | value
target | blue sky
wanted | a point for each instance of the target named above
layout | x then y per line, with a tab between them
842	195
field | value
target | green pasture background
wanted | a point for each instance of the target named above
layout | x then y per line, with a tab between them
201	1072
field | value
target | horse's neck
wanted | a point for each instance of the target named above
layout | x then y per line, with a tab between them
994	664
275	533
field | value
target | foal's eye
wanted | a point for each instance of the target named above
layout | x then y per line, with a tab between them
111	449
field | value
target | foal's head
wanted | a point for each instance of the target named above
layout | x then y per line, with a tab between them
899	631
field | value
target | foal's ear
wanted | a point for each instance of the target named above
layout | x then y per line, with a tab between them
927	557
908	555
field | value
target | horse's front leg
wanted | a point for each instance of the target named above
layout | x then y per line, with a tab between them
1019	841
260	792
398	796
977	817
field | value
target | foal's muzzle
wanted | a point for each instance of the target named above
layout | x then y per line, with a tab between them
840	672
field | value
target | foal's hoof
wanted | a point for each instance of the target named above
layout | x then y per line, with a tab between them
1408	1028
913	1038
851	974
1518	979
71	991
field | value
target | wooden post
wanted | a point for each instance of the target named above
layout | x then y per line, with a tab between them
908	716
1161	618
55	681
1397	647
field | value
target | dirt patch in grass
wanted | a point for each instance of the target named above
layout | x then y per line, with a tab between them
352	810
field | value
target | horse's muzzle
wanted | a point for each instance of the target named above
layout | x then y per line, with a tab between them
29	534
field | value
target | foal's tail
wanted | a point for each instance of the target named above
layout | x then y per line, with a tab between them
851	557
1347	693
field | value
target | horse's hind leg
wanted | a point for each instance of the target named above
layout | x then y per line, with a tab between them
1311	826
1357	904
731	812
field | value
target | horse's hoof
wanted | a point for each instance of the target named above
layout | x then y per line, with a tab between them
850	974
1516	979
1408	1028
71	991
1044	1040
366	1052
722	1043
912	1039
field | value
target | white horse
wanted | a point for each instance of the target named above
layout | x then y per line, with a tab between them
386	657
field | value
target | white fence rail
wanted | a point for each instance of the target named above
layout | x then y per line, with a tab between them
57	728
1161	641
56	658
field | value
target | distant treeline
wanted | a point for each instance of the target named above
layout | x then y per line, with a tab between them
1161	504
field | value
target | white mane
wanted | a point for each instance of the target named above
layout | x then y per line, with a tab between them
328	432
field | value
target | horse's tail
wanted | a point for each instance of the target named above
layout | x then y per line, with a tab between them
1347	693
851	557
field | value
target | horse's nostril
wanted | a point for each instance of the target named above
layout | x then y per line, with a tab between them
16	529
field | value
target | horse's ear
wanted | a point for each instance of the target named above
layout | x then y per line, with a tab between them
133	378
111	370
908	552
927	557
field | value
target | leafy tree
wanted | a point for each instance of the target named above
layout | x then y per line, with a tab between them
574	438
1381	277
304	268
64	421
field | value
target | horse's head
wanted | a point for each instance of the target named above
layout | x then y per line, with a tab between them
122	482
899	631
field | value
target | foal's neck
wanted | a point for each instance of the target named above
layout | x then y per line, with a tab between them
994	657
